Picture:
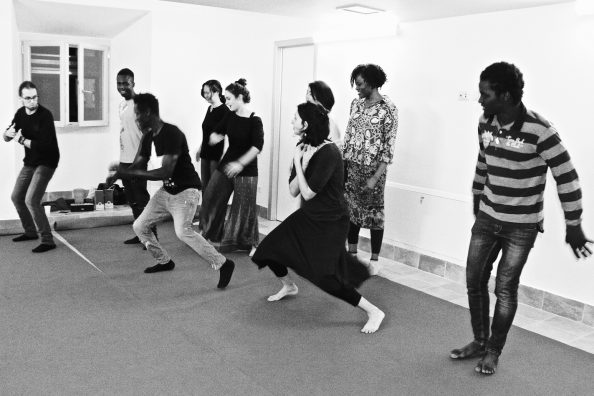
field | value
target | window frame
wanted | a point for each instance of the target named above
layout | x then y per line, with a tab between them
64	46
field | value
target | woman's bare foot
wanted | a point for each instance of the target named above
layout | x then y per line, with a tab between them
286	290
376	316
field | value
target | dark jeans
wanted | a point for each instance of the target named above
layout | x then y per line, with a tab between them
136	193
26	197
488	239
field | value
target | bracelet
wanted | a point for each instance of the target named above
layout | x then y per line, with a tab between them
22	140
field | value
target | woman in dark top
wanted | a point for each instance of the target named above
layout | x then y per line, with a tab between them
311	241
212	92
237	173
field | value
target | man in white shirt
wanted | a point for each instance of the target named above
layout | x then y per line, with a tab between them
135	189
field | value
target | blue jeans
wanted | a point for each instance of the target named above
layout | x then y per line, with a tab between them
26	197
488	239
181	207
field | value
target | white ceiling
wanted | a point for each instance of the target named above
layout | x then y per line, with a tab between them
404	10
73	19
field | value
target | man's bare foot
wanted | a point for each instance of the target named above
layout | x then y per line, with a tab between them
376	316
473	350
488	364
287	290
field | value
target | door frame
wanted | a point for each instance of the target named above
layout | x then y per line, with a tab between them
279	46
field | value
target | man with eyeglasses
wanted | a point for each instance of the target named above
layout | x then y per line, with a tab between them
33	128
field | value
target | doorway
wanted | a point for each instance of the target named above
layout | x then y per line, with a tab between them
294	70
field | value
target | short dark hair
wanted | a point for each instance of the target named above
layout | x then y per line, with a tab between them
147	101
126	72
373	75
27	85
214	86
238	88
318	127
505	77
322	93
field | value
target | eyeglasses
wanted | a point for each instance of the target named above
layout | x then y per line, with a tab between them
30	98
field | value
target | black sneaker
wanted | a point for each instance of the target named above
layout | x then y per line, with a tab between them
44	247
132	241
160	267
225	273
24	237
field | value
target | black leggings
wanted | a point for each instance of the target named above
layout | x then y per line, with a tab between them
377	237
330	285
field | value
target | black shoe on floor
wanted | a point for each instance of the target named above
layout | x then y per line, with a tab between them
24	237
132	241
225	273
44	247
160	267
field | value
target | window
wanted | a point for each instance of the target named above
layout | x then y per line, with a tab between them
71	80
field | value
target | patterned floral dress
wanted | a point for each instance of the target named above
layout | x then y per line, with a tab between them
369	140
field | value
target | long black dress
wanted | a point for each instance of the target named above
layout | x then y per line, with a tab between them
311	241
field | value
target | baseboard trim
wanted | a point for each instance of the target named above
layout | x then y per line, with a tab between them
536	298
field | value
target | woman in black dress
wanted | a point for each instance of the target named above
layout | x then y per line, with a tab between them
311	241
212	92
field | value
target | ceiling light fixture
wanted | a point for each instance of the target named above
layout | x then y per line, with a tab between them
359	9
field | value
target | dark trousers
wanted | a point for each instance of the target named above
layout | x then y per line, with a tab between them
329	285
487	241
136	193
377	237
27	195
207	168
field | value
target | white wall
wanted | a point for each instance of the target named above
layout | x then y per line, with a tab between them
8	162
428	195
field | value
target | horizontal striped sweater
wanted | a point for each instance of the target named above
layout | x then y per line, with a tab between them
512	167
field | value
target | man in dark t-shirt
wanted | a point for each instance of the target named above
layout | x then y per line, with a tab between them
33	128
180	194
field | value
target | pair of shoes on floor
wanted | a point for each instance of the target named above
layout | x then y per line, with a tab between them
44	247
24	237
225	273
168	266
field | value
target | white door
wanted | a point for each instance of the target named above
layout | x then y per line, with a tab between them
297	72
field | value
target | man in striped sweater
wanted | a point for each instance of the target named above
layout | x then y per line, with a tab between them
516	148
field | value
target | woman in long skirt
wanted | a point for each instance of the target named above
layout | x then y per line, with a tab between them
237	173
311	241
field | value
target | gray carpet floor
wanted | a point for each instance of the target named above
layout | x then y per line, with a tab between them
68	328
